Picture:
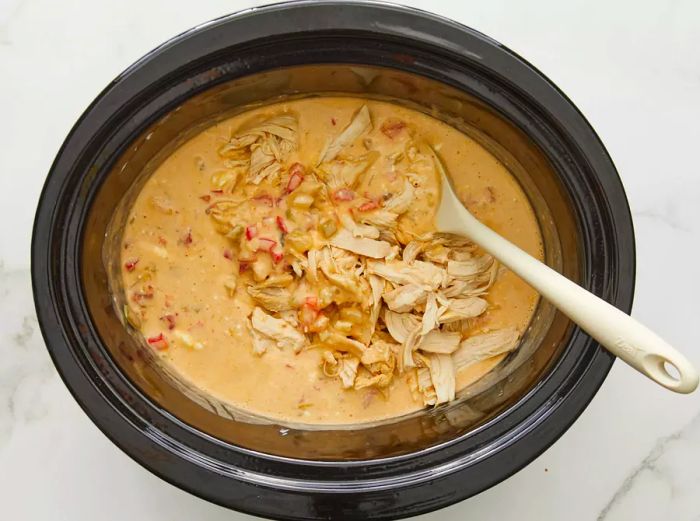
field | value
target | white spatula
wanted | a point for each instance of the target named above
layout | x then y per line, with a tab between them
616	331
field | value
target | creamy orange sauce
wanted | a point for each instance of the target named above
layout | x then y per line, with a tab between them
183	261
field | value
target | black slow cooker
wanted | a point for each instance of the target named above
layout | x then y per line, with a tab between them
390	469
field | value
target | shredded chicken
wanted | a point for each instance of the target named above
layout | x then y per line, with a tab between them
358	126
407	348
402	201
271	298
430	316
425	386
400	325
436	341
378	351
280	331
467	268
345	173
411	251
358	230
377	286
348	371
329	264
462	308
405	298
424	274
481	347
380	218
342	365
341	343
261	343
368	247
268	143
442	373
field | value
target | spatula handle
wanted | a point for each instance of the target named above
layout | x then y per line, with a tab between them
616	331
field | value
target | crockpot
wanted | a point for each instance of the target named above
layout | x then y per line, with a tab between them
389	469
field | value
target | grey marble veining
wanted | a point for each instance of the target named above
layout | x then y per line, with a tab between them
658	469
26	369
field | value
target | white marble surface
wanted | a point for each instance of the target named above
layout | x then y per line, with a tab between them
633	67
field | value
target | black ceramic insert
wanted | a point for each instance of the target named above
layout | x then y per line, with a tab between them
394	469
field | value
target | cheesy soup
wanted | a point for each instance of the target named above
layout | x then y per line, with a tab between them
285	262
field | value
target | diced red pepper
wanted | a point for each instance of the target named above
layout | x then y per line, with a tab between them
297	168
187	238
368	206
391	129
130	265
307	316
266	244
228	254
243	267
312	301
139	296
251	231
265	199
169	320
206	198
319	323
159	342
294	181
281	224
197	324
344	194
277	256
296	176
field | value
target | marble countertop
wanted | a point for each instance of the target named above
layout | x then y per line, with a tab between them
633	70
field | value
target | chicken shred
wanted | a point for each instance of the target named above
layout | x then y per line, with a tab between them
436	341
405	298
271	298
442	374
280	331
368	247
430	316
359	230
401	202
419	273
345	173
360	123
487	345
380	218
400	325
460	309
268	143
